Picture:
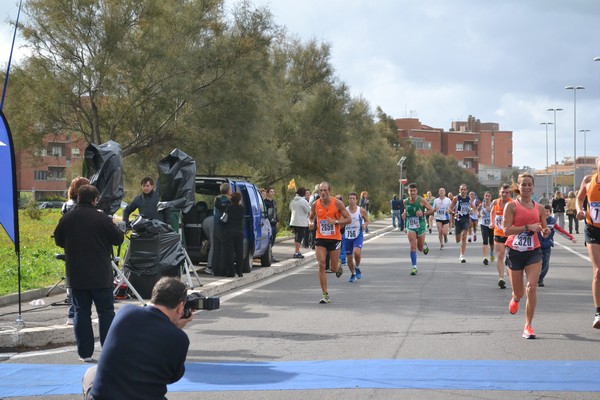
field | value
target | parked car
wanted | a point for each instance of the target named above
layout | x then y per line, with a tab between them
257	229
50	204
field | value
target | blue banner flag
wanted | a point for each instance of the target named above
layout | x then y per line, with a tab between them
9	218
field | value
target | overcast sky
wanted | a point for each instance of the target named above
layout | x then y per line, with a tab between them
503	61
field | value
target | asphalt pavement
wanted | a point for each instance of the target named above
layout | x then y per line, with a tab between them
44	312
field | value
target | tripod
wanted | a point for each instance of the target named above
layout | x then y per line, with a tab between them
121	278
187	264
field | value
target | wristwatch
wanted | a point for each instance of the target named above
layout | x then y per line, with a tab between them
335	222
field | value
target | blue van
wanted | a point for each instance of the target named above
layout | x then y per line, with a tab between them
257	229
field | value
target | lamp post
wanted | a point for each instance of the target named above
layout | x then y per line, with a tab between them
574	89
585	131
547	123
554	110
402	159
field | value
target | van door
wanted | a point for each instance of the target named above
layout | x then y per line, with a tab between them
261	227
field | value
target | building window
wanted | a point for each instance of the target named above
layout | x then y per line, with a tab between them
75	152
423	145
468	147
468	163
41	175
459	147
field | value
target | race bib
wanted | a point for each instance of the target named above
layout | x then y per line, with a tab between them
413	223
352	233
326	229
441	213
485	221
523	242
464	208
595	211
498	222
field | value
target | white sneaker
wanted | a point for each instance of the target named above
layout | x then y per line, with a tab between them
462	259
597	321
69	321
208	271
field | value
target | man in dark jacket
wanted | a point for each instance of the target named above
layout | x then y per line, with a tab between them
87	235
146	202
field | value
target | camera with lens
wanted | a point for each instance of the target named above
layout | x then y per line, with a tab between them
197	301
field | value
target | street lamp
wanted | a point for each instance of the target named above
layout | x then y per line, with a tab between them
400	165
585	131
547	123
554	110
574	89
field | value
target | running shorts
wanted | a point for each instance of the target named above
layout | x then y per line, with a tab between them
461	224
518	260
351	244
592	234
329	244
487	234
500	239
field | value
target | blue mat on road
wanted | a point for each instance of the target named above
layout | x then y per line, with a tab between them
568	376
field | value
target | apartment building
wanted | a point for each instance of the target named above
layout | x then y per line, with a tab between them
482	148
44	171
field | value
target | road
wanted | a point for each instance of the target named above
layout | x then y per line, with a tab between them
443	334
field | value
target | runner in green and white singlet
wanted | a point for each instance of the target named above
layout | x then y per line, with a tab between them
415	211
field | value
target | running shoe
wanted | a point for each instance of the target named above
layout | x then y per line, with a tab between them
597	321
358	273
462	259
492	258
324	299
469	239
513	306
528	332
352	278
502	283
297	255
474	238
445	238
541	284
429	230
442	247
485	261
425	249
339	272
414	271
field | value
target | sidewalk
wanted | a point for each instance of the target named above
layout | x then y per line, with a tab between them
45	325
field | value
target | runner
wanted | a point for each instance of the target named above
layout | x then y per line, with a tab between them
474	205
442	219
354	236
487	233
499	235
522	219
330	214
430	199
460	208
416	210
590	190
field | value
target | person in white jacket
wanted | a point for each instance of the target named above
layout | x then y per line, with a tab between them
299	219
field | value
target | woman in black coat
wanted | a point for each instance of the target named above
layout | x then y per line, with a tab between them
234	236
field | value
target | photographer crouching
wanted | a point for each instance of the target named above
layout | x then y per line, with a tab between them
145	348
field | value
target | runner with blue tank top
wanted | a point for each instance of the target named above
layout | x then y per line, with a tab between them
353	242
460	207
416	209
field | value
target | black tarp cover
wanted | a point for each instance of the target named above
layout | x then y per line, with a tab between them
153	248
103	166
177	173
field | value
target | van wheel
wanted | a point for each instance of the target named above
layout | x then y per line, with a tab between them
267	257
247	264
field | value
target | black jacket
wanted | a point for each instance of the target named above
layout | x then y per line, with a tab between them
87	235
146	204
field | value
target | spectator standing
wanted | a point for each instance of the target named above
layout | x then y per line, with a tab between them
145	349
299	219
146	202
307	236
544	200
222	246
76	183
271	205
547	243
572	212
234	237
397	208
87	235
558	207
365	204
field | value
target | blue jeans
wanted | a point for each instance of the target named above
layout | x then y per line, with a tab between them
82	324
545	263
397	216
